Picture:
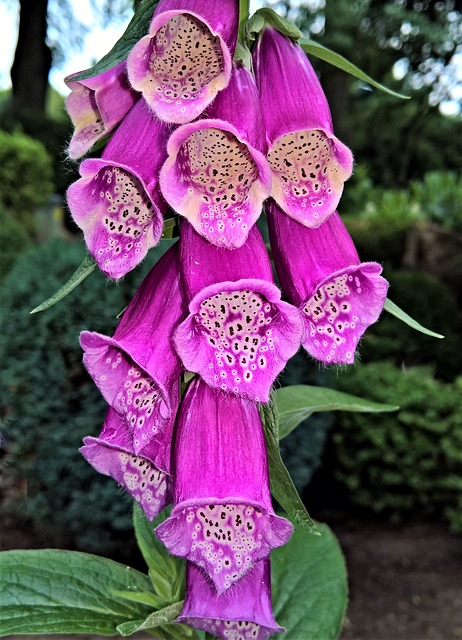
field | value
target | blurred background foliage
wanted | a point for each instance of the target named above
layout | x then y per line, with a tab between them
403	207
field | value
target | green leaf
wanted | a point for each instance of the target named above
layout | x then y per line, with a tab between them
145	597
335	59
269	17
393	308
309	584
282	487
88	265
49	591
298	402
166	572
155	619
137	28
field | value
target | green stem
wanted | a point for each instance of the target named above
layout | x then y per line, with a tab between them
243	17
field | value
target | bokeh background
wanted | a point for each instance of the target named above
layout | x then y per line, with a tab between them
390	486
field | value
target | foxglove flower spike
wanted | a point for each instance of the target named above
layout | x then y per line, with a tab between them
216	174
186	58
117	201
143	476
243	612
137	370
222	519
308	162
319	269
239	334
96	106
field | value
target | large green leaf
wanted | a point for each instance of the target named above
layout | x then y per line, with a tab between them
310	589
298	402
335	59
137	28
52	591
88	266
282	487
393	308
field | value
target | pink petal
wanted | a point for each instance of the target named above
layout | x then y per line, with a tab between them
223	519
137	370
320	272
96	106
241	612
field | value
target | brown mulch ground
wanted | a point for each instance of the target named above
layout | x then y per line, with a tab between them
405	582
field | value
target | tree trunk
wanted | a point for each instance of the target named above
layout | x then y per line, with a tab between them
32	59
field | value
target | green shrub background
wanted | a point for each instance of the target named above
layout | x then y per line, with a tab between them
26	176
430	302
408	462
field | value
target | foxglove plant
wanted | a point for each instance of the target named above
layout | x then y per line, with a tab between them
239	334
309	164
216	174
137	370
320	271
222	520
144	476
96	106
191	127
186	58
243	612
117	202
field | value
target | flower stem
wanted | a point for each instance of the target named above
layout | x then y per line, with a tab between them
243	17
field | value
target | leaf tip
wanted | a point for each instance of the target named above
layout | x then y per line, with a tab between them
38	309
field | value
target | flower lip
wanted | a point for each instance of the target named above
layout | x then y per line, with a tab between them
216	179
239	336
345	304
144	476
117	202
96	106
179	84
139	477
120	218
134	393
309	168
224	537
308	161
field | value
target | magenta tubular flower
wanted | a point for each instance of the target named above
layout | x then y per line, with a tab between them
96	106
320	272
242	612
137	370
117	202
216	174
239	334
222	519
143	476
186	58
308	162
